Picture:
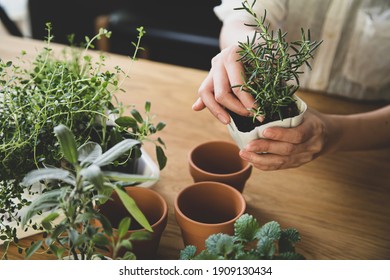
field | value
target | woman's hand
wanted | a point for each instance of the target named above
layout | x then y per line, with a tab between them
289	147
216	92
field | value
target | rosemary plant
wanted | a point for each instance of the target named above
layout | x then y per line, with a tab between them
272	67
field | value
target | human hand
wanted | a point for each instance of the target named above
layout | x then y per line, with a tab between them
289	147
216	92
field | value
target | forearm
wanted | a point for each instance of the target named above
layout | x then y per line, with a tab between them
362	131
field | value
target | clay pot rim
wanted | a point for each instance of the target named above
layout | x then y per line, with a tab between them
247	167
188	220
160	197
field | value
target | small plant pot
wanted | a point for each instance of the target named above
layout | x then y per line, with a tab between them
242	138
155	209
207	208
219	161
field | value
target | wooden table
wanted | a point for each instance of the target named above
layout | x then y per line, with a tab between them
340	203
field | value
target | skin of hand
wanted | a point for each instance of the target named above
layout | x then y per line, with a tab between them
216	92
284	148
289	147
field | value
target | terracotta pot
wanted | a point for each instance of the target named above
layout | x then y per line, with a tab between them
155	209
243	138
207	208
219	161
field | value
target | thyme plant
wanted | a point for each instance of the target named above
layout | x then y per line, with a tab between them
272	67
72	88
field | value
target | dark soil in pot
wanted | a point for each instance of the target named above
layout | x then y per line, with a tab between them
246	124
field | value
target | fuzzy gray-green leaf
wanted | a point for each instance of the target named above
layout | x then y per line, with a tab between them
115	152
67	143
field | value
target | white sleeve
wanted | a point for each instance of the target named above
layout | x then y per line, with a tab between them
276	10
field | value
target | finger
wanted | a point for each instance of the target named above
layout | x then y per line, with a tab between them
273	147
223	92
268	162
235	72
198	105
206	93
293	135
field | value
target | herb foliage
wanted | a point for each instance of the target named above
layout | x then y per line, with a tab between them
249	242
72	88
272	67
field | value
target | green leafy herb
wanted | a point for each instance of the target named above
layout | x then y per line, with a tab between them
250	241
76	234
272	67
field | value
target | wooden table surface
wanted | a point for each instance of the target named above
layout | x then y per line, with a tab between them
340	203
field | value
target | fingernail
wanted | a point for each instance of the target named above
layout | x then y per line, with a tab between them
268	133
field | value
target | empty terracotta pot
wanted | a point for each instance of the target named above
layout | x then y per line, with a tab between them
219	161
207	208
155	209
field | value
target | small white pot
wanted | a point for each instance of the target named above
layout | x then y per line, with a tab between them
243	138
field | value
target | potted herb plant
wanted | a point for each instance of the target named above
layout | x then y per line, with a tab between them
271	75
73	88
81	231
250	241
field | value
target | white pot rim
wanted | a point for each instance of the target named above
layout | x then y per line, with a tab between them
243	138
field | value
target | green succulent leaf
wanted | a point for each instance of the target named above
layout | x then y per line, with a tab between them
270	230
246	227
188	253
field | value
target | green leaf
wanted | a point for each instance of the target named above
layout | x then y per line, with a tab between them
126	121
89	152
137	116
287	240
161	157
67	143
225	245
33	248
123	227
133	209
246	227
49	173
115	152
126	178
94	175
219	244
46	222
270	230
126	244
141	235
266	246
46	200
188	253
160	126
129	256
147	106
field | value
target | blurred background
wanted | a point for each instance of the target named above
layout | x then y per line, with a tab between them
178	32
